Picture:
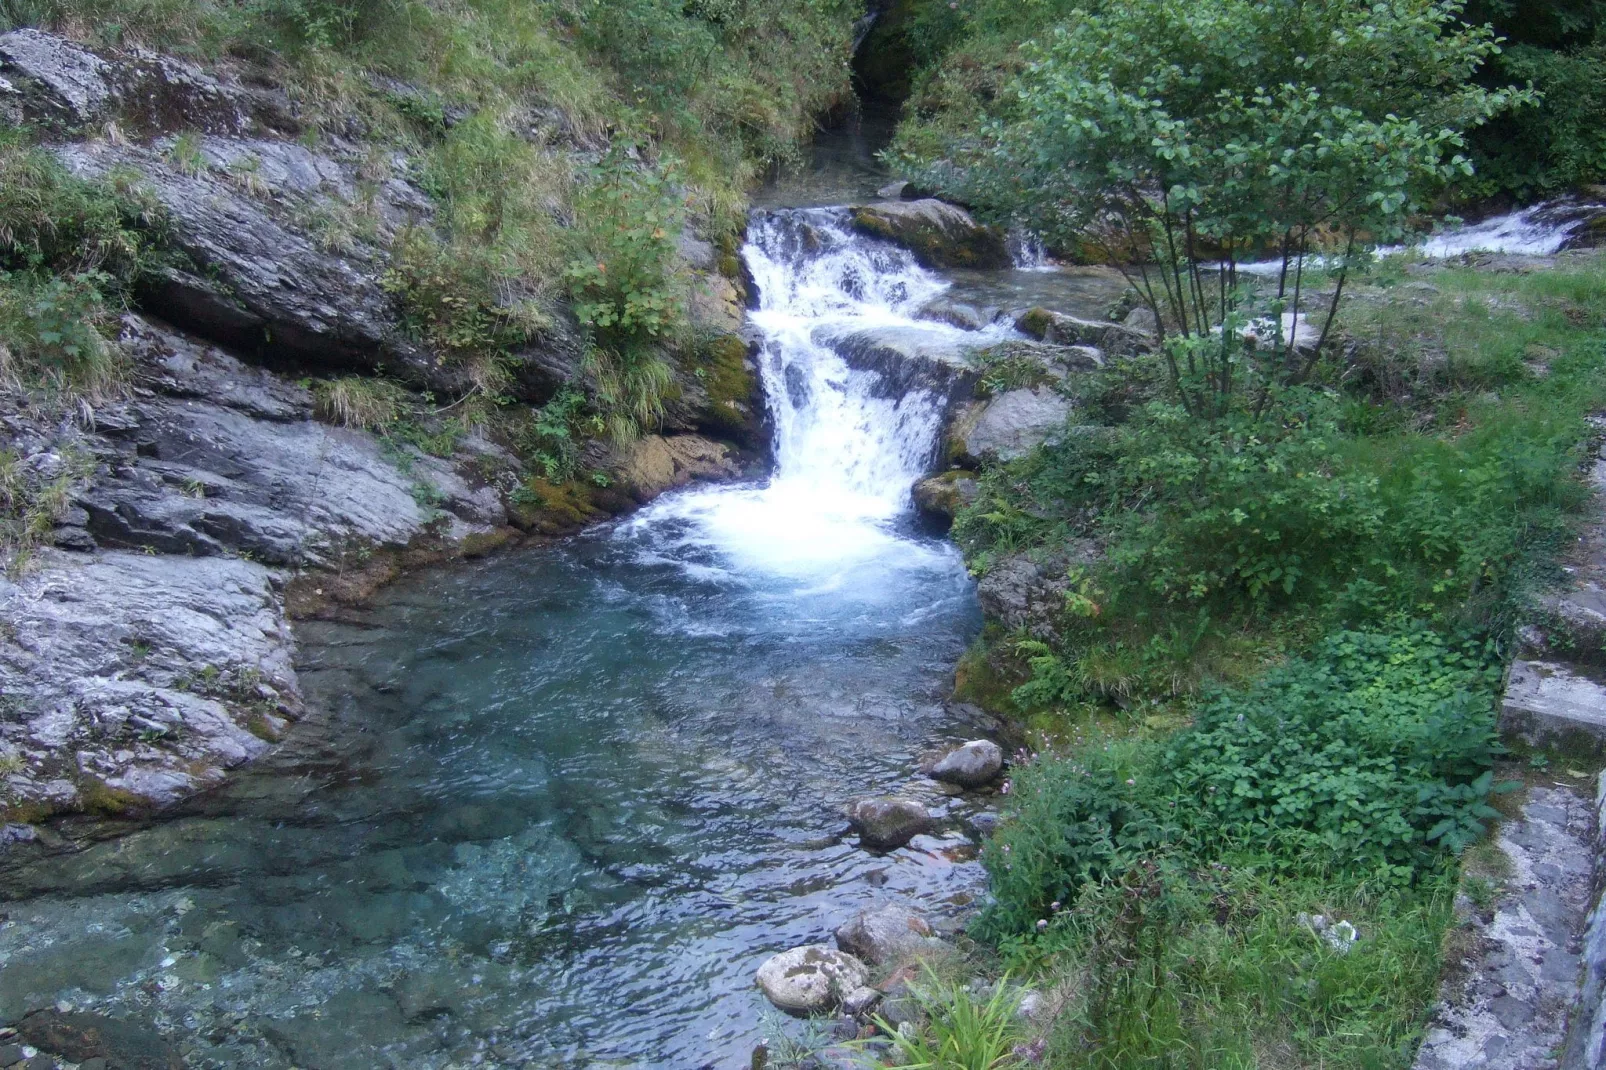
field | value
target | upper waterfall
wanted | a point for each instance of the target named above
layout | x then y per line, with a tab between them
849	442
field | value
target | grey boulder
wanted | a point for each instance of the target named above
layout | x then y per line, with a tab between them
885	823
939	234
811	979
970	765
1010	425
889	936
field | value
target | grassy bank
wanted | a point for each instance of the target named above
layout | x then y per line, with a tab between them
1273	695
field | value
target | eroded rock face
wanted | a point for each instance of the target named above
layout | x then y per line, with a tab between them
262	286
940	235
811	979
656	463
888	822
889	936
51	80
1021	592
971	765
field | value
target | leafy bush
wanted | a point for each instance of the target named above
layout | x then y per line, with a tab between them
70	252
1371	756
623	277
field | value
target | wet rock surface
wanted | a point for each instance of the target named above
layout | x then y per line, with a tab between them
80	1037
939	498
888	936
969	765
888	822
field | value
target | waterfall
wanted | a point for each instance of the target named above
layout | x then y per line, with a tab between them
838	440
847	445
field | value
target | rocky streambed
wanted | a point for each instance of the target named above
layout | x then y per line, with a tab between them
330	803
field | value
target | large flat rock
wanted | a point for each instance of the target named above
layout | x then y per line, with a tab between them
1549	703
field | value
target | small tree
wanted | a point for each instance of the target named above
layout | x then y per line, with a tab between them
1183	138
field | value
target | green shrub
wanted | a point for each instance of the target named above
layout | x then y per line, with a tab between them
623	278
1370	757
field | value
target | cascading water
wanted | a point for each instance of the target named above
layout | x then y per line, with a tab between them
570	798
846	449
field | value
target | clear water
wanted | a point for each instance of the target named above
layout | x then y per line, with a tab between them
560	805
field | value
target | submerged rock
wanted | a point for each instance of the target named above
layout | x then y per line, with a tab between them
811	979
887	822
971	765
80	1036
939	234
890	936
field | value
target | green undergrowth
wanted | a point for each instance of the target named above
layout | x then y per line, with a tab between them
965	58
1271	691
566	145
71	252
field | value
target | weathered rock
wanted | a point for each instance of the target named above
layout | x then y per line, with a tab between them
940	235
889	936
656	463
886	823
1142	319
72	79
55	81
1114	339
970	765
861	1001
80	1036
1022	593
261	286
811	979
1549	703
1504	1007
136	679
1586	1033
939	498
1008	426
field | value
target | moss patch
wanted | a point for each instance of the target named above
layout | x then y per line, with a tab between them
732	387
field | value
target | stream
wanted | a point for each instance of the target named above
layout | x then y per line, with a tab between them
556	807
553	809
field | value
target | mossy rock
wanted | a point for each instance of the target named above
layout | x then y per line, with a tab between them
732	387
940	497
548	508
940	235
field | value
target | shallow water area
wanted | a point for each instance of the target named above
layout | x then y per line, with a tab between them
571	799
555	808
